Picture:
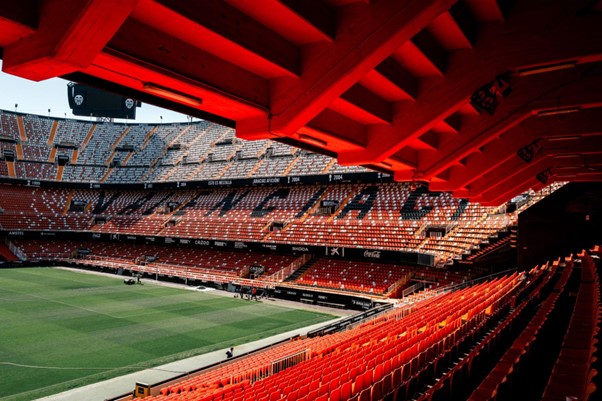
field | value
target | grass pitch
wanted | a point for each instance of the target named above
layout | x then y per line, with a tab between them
61	329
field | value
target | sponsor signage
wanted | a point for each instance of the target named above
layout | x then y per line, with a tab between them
335	251
240	182
272	180
364	304
324	298
219	183
299	248
372	254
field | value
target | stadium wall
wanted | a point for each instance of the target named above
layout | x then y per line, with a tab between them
565	222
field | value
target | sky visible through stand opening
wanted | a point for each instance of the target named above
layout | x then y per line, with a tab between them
37	97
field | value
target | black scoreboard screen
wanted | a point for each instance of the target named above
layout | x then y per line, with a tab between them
88	101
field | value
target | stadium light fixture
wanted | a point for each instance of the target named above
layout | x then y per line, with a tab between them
312	140
564	156
546	68
563	138
560	110
172	94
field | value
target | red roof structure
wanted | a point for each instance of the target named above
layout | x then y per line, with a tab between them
484	98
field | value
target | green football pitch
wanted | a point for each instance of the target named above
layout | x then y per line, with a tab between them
61	329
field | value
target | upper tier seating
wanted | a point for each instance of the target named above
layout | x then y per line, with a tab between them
3	166
8	146
310	164
39	153
80	173
99	148
8	125
71	132
126	175
36	171
163	152
274	166
37	131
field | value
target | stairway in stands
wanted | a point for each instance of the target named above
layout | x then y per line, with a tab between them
461	208
497	247
6	254
297	273
312	201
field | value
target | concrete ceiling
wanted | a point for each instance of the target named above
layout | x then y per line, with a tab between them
382	83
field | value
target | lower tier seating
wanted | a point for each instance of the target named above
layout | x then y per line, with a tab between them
148	257
479	342
365	362
374	278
